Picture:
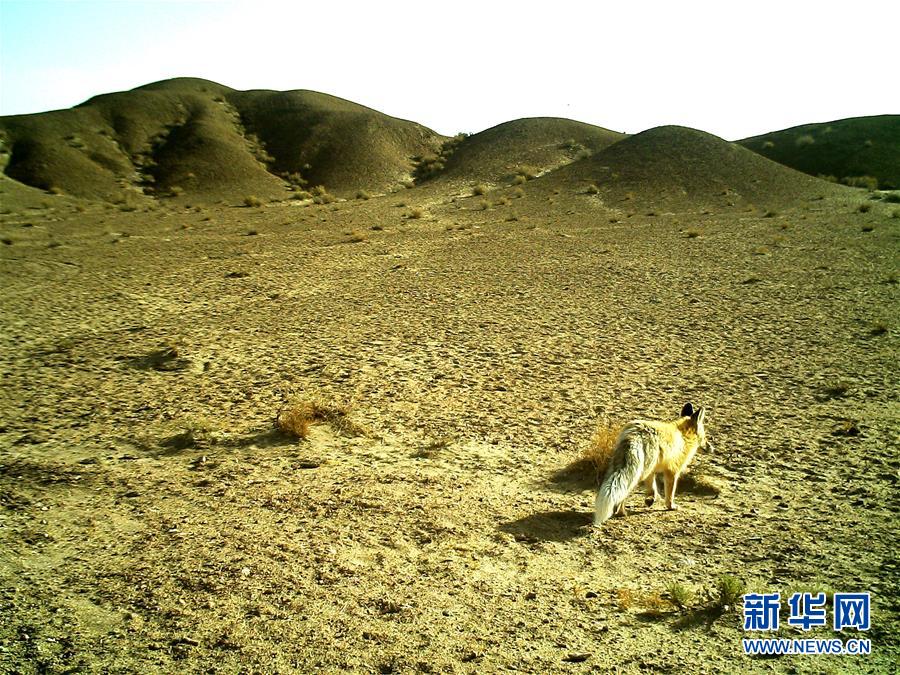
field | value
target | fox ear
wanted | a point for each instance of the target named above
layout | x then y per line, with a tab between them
699	416
687	410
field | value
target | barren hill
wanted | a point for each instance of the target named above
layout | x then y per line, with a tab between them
673	164
342	145
202	139
535	144
842	149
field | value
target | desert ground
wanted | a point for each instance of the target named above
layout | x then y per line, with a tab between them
154	519
465	316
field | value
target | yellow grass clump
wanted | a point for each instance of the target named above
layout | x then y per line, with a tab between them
597	455
296	418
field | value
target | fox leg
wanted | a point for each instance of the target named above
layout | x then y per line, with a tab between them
620	511
671	479
650	487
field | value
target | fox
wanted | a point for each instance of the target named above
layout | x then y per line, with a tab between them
645	448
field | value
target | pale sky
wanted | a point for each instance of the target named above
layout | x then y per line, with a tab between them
734	69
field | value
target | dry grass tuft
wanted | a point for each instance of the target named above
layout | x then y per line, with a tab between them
595	457
296	418
479	190
251	201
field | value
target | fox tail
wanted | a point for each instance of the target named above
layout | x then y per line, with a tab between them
621	477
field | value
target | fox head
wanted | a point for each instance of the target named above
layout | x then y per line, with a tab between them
696	424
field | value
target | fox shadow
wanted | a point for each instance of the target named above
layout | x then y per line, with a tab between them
560	526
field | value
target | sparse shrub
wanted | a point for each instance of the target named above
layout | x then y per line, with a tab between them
624	598
526	171
484	205
805	139
176	191
768	145
518	180
835	390
867	182
511	218
879	328
729	591
864	208
55	190
362	194
321	196
431	165
680	595
518	193
295	179
593	189
892	198
302	195
770	214
417	213
868	228
479	190
692	234
829	178
252	201
357	236
895	213
503	201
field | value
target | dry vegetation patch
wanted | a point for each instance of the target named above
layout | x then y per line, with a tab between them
297	416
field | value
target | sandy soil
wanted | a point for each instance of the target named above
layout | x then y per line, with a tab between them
152	520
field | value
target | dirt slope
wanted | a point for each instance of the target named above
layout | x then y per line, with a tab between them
854	147
342	145
674	165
